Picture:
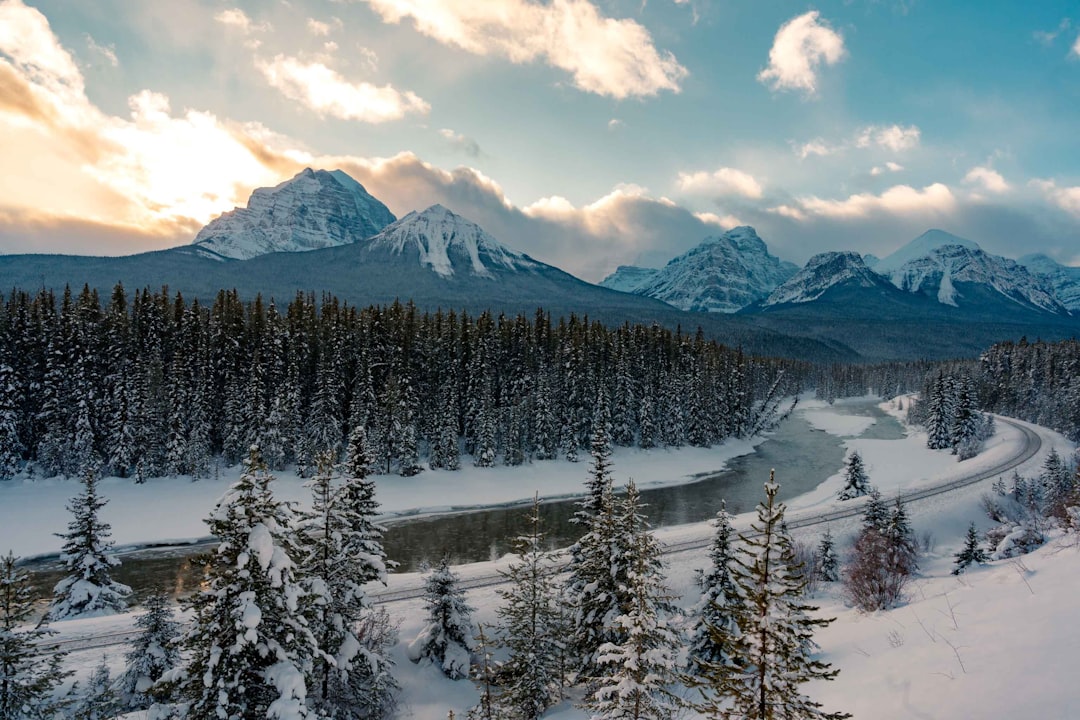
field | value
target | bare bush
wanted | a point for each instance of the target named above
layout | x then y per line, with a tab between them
876	574
807	564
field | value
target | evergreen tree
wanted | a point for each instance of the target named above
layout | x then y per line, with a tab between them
88	590
713	641
856	481
483	674
828	569
11	446
97	701
971	552
639	667
30	670
901	539
249	644
875	512
776	632
153	653
446	641
529	625
940	414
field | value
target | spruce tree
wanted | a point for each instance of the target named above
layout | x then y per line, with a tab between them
971	552
828	569
249	644
153	653
856	481
446	641
875	512
30	670
529	625
776	632
97	700
11	446
638	667
901	539
713	641
88	590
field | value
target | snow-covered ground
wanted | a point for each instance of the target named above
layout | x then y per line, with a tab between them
997	642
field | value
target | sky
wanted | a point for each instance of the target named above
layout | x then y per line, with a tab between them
586	133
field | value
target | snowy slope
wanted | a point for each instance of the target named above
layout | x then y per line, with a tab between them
944	268
447	243
920	247
315	209
1064	280
822	272
722	274
628	278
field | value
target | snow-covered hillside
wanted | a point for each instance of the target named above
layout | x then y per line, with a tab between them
447	243
921	247
628	278
1063	279
315	209
822	272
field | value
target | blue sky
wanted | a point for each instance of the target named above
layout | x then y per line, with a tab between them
588	133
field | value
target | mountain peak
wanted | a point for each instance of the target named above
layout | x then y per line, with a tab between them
920	247
822	272
313	209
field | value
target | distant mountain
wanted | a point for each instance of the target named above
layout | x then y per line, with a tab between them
822	273
447	244
961	276
316	209
722	274
1064	279
920	247
628	278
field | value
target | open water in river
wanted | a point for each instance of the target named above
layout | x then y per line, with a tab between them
802	456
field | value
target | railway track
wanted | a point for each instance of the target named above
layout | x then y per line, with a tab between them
1032	445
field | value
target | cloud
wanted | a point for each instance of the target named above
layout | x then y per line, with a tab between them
326	92
239	21
724	181
323	29
801	46
106	52
461	142
725	222
1066	198
891	137
1076	47
815	147
897	200
888	167
987	178
615	58
1048	37
614	124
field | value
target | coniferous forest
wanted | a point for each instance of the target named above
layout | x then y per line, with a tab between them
151	385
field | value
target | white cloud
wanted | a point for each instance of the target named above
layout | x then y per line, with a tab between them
107	52
326	92
322	29
987	178
890	137
461	142
724	181
606	56
897	200
614	124
722	221
815	147
887	167
801	46
1076	47
1066	198
239	21
1048	37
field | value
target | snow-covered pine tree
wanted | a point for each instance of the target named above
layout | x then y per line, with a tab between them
88	590
713	640
971	552
483	674
11	446
776	639
97	700
646	423
153	653
30	670
828	569
249	643
446	641
600	480
341	550
901	538
875	512
528	621
856	481
939	414
638	669
966	418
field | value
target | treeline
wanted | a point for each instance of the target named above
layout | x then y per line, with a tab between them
155	385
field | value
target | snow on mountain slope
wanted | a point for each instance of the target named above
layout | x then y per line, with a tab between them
448	243
822	272
1063	279
920	247
628	278
315	209
722	274
940	270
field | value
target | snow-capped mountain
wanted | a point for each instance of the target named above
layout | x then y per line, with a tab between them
920	247
447	244
722	274
315	209
628	278
823	272
1064	279
957	273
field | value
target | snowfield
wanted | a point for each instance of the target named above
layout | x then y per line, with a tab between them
996	642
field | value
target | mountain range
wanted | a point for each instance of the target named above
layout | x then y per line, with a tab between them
321	231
